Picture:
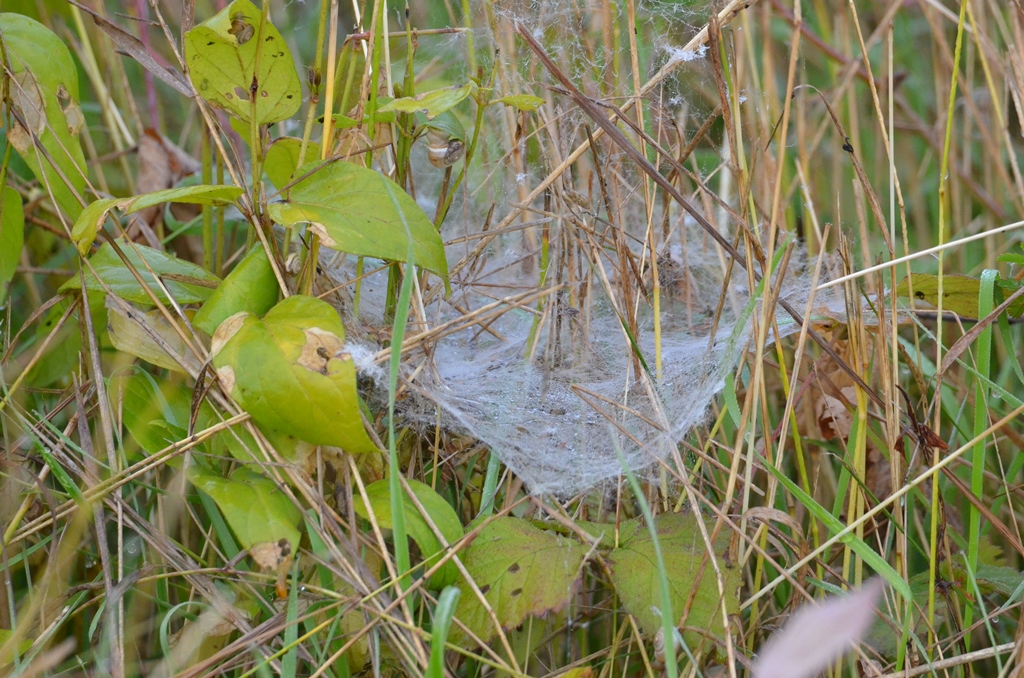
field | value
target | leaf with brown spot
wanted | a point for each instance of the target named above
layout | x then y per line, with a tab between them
221	55
522	571
273	369
636	578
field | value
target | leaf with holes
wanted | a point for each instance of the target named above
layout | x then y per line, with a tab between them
636	578
250	287
291	372
959	293
431	103
12	237
255	508
221	54
357	210
378	496
44	97
88	225
521	571
186	282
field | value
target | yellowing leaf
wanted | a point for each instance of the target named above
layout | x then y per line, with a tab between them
44	94
429	103
524	102
257	511
959	293
378	495
221	55
186	282
357	210
283	159
636	579
132	330
521	571
291	373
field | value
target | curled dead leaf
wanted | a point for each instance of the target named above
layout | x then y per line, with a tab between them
162	165
321	232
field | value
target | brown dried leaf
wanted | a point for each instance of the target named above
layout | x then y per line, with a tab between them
162	165
835	394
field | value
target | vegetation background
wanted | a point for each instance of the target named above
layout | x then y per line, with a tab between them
510	338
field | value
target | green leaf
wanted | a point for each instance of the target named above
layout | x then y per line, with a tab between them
440	511
44	93
255	508
521	571
524	102
959	293
155	413
357	210
635	575
446	123
439	630
250	287
1011	258
291	373
221	55
283	159
12	237
62	355
429	103
187	283
91	220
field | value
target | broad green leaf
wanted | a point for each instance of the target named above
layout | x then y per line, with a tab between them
12	237
221	55
429	103
63	353
635	575
291	372
156	414
283	159
357	210
44	93
959	293
91	220
250	287
524	102
255	508
521	571
186	282
446	123
440	511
